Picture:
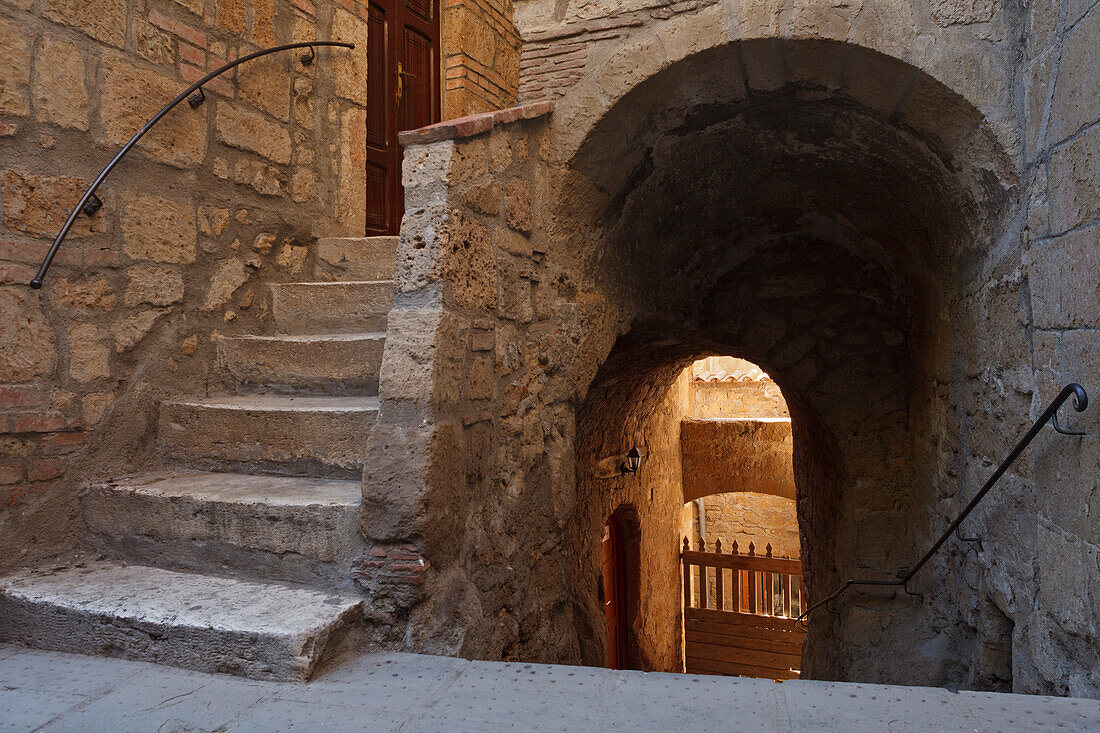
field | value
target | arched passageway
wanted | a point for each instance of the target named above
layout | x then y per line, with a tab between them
818	208
816	230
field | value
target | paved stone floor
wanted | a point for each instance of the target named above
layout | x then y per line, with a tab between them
50	691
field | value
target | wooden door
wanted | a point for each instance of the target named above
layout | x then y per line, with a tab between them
402	94
614	593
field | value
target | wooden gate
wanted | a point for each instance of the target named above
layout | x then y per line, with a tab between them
739	613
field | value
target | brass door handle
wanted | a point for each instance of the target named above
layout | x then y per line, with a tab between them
401	74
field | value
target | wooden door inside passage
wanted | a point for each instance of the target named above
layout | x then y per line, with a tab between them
614	593
403	93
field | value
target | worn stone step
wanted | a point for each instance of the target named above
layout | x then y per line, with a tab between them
329	363
278	527
323	436
356	258
202	622
332	307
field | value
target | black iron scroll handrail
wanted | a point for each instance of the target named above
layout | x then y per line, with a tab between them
89	202
1080	402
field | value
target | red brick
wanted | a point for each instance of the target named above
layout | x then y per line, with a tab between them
305	6
184	31
472	125
33	252
192	55
35	422
218	84
61	443
11	496
45	469
11	471
20	395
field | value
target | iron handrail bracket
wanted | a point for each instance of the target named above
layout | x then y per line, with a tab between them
90	202
1080	402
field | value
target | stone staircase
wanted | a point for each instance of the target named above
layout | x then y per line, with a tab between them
235	555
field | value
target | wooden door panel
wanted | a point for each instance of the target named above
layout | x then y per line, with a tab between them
401	34
381	127
417	103
378	88
421	9
378	195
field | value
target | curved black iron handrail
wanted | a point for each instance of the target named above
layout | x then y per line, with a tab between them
89	196
1080	402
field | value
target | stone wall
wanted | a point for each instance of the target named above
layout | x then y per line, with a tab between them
905	250
211	205
743	454
733	399
745	517
481	51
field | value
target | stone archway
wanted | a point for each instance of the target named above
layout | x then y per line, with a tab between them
807	225
821	221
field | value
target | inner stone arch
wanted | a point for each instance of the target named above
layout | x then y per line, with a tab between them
818	224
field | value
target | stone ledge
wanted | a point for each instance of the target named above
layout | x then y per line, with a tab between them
472	125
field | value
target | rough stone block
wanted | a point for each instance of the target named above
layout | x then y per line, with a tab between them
265	83
104	21
1081	348
286	528
246	130
153	285
31	351
129	332
1075	181
631	65
356	258
1068	588
1043	22
349	67
1077	90
39	205
691	33
202	622
517	206
228	276
15	69
963	12
89	354
352	307
158	229
352	208
332	364
1064	293
85	294
325	435
60	96
720	456
131	96
1036	93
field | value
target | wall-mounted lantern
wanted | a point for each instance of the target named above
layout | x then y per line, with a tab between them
633	461
620	465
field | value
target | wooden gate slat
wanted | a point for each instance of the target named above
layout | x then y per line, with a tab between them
757	637
754	657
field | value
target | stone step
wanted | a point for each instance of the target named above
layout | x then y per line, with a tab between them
356	258
276	527
324	436
328	363
201	622
332	307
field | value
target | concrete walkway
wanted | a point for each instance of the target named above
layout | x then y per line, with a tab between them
50	691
